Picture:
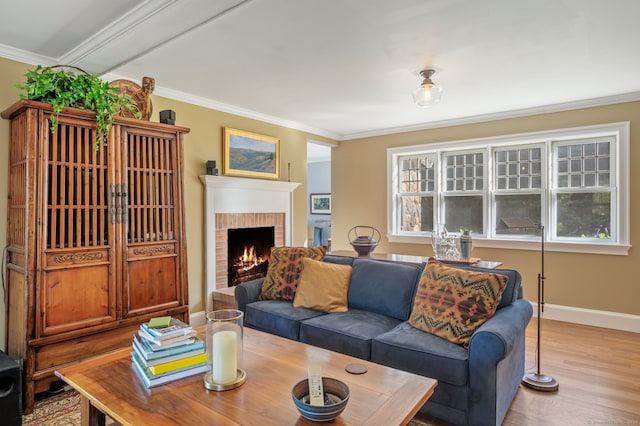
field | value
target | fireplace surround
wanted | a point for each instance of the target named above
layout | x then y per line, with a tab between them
232	203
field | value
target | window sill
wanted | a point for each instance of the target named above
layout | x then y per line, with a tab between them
566	247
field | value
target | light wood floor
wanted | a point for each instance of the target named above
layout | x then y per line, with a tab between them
598	371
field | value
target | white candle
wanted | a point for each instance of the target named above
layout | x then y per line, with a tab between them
225	355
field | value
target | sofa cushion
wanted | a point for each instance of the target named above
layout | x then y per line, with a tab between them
277	317
409	349
341	260
285	264
452	302
323	286
346	332
513	290
386	288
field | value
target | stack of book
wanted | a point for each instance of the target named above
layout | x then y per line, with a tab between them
167	352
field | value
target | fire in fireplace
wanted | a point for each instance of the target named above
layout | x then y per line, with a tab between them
248	253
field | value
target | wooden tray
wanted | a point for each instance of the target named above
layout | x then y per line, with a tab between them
470	261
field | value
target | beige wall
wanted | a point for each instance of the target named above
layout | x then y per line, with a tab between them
203	143
587	281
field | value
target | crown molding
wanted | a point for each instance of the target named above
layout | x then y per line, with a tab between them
26	57
140	16
243	112
524	112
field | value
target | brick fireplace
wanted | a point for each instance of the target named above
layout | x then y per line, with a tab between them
232	203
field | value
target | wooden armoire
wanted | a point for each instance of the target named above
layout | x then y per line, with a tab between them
95	235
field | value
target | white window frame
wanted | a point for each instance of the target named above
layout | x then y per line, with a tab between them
620	192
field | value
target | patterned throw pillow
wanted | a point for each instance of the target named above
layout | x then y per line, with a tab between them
323	286
452	302
283	274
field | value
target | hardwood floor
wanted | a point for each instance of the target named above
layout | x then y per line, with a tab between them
598	371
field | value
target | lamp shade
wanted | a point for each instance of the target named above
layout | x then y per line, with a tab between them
428	93
427	96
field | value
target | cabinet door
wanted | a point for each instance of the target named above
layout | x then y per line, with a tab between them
151	252
76	288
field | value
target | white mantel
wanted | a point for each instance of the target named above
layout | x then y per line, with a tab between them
224	194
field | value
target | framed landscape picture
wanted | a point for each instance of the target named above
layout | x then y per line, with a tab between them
247	154
320	203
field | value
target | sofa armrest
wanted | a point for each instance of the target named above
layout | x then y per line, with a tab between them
496	362
248	292
500	334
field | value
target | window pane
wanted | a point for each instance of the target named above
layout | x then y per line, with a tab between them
464	172
464	212
416	213
577	161
518	214
523	162
584	215
416	173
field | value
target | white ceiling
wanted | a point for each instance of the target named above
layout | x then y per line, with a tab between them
345	69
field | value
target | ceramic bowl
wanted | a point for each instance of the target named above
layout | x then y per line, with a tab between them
336	396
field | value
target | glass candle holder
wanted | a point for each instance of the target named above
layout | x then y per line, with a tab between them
224	348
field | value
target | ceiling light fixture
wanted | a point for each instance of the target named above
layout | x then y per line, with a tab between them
428	93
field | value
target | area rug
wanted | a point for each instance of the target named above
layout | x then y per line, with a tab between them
62	409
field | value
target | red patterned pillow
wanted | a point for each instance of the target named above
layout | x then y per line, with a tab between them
452	302
283	274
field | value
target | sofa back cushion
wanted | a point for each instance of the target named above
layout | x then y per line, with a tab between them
513	290
385	288
340	260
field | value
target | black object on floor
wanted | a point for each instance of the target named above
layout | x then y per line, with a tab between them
10	391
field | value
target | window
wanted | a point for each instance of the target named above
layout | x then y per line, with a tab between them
417	183
583	188
463	193
518	190
573	183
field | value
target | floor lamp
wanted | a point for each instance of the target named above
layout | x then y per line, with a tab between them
537	380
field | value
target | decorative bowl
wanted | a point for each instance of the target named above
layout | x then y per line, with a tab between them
336	396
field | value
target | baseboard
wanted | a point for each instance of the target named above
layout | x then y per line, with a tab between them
606	319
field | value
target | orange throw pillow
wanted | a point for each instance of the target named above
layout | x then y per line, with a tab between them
323	286
283	274
452	302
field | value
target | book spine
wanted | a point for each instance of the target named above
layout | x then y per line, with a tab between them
177	365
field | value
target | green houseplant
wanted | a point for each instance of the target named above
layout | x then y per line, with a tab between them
62	87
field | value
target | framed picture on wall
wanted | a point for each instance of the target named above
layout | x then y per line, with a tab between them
247	154
320	203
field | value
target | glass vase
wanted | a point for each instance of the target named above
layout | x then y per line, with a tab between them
438	240
224	349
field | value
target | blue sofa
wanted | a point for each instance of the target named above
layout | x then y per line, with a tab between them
475	385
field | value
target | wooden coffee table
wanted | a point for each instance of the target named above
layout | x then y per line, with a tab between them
108	385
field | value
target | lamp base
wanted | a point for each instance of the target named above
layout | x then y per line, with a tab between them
540	382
